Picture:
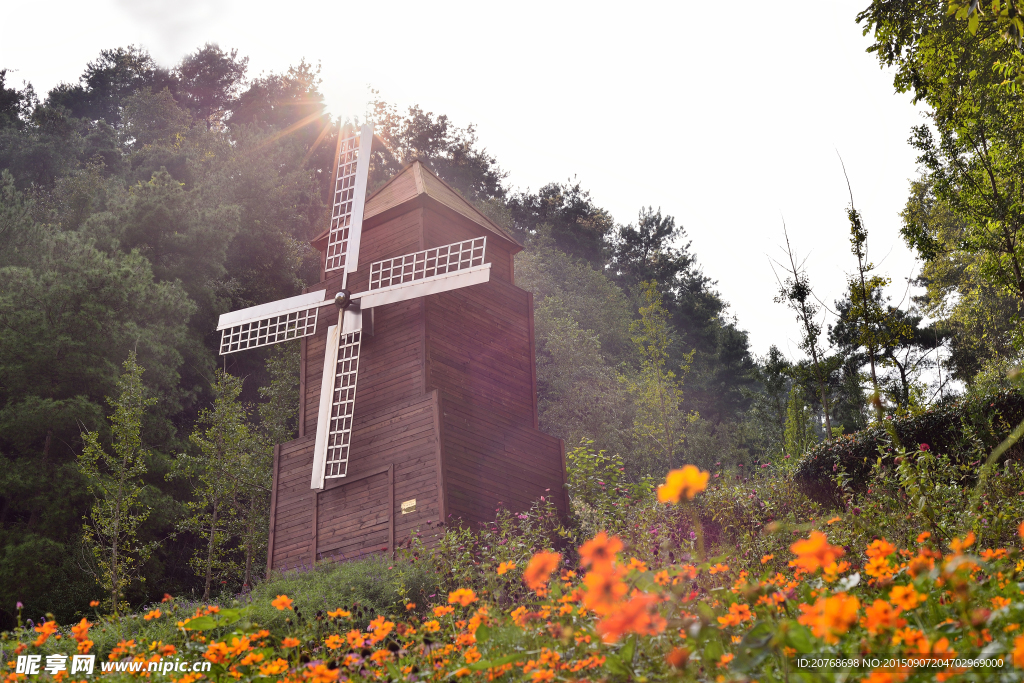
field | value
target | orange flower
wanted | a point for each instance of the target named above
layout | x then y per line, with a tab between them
94	603
999	602
462	596
829	617
1018	652
923	536
880	548
432	626
506	567
290	642
380	628
282	602
883	676
688	482
662	578
339	614
881	616
719	569
539	676
678	657
154	614
834	520
81	630
355	639
600	551
217	653
538	572
443	610
252	658
878	567
765	559
636	564
737	615
334	641
639	616
320	674
814	552
959	546
273	668
604	590
45	630
905	597
920	564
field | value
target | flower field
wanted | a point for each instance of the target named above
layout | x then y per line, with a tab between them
877	613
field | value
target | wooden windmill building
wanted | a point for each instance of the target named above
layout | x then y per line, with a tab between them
444	423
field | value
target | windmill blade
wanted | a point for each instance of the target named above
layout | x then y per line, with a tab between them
270	323
337	398
352	165
430	271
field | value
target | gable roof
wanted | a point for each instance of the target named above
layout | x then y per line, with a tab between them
412	183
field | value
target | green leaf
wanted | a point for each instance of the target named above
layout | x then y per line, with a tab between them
395	672
628	650
616	666
483	633
201	624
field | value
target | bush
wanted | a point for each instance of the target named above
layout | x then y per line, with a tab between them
966	431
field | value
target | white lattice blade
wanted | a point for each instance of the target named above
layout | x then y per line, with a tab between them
324	416
275	308
427	263
352	166
417	288
355	233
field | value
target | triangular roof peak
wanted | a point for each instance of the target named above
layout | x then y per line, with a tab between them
416	181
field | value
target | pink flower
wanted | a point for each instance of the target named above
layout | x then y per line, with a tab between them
925	447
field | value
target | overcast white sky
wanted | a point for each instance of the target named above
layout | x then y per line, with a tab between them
726	115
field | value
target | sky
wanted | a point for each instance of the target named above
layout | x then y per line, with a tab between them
728	116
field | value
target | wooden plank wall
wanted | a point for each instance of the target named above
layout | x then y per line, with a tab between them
393	459
478	348
492	461
443	226
292	515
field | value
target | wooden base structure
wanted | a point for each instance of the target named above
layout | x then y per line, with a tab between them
445	425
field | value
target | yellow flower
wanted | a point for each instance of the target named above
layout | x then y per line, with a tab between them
282	602
688	482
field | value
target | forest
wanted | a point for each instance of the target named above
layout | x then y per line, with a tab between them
140	203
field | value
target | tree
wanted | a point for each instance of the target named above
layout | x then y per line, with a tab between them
564	215
107	82
800	434
796	293
209	81
660	422
115	480
451	152
975	316
973	153
228	462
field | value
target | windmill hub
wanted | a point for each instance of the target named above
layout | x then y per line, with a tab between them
343	298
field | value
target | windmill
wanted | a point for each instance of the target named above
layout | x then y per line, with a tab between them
466	391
